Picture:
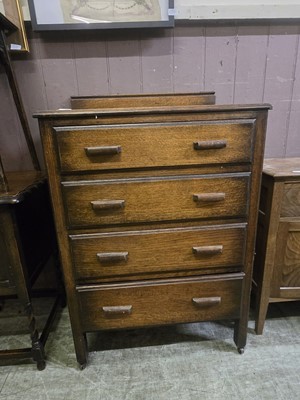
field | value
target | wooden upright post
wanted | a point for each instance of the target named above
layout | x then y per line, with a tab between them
3	181
6	61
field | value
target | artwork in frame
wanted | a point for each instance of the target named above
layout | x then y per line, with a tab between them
100	14
17	39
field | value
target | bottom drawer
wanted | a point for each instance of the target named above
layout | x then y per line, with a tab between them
165	302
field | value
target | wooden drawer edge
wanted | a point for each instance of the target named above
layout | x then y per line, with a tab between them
199	279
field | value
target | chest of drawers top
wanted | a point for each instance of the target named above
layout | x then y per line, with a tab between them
142	99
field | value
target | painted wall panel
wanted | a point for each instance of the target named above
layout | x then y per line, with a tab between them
124	64
280	71
220	62
189	59
243	64
252	46
293	134
157	61
236	9
91	65
58	66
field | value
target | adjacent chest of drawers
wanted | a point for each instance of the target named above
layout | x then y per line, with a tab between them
277	261
155	213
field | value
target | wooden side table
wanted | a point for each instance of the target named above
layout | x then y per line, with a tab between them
276	275
27	237
27	241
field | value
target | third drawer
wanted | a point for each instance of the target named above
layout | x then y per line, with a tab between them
129	253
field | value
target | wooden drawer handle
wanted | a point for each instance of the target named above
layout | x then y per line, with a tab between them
206	301
208	250
107	204
117	310
112	257
208	197
210	145
102	150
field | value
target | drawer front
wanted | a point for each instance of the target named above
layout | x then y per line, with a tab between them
92	203
157	251
166	303
291	200
142	145
286	272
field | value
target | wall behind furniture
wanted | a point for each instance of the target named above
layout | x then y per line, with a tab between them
243	64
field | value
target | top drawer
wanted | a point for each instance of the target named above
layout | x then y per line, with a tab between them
104	147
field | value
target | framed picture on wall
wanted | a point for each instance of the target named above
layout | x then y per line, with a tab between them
16	39
100	14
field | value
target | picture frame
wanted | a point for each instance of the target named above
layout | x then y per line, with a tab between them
16	39
100	14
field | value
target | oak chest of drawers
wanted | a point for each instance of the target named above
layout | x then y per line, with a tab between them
155	213
277	262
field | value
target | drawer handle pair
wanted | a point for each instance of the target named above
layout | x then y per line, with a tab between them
112	257
99	205
208	197
111	150
208	250
117	310
123	256
102	150
210	145
200	302
206	301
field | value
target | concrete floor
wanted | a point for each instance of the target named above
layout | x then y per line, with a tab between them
184	362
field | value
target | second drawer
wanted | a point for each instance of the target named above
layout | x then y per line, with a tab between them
122	254
92	203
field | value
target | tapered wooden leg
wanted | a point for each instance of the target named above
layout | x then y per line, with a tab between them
241	324
9	226
262	295
37	347
240	336
80	342
262	304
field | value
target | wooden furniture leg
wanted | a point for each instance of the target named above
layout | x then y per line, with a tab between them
12	239
27	243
